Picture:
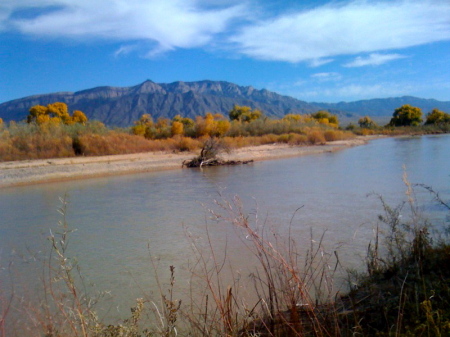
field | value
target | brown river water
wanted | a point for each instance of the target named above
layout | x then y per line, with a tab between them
123	222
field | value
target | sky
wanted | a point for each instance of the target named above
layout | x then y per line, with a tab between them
316	51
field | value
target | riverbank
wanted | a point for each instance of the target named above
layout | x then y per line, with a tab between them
27	172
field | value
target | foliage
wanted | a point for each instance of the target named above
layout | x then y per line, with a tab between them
177	128
55	113
405	290
316	137
367	123
437	116
211	125
406	115
324	117
244	114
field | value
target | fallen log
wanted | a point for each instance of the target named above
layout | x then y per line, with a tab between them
198	162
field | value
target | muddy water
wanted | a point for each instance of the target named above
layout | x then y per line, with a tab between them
123	222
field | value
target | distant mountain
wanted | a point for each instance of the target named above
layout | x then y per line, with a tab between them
121	106
385	106
116	106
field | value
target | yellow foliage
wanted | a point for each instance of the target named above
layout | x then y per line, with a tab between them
35	112
177	128
55	113
316	137
1	121
324	117
55	121
244	113
79	117
204	125
138	130
293	118
222	127
58	109
42	119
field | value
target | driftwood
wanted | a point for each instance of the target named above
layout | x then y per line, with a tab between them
199	162
209	156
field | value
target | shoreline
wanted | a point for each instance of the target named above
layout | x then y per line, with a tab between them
29	172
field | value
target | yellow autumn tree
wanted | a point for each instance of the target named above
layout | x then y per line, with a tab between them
437	117
177	128
222	127
212	125
35	112
324	117
143	126
204	125
244	113
79	117
59	110
55	113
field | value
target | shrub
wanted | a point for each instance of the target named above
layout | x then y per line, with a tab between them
316	137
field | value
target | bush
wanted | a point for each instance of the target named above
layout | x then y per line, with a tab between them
316	137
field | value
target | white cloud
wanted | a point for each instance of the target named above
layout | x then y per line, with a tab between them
314	35
169	23
326	77
319	62
125	50
345	29
373	60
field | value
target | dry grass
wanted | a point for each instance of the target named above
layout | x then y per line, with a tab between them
29	141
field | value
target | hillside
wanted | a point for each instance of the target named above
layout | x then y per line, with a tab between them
385	106
120	106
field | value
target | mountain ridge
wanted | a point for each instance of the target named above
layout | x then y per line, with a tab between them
121	106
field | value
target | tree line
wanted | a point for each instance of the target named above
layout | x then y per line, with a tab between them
408	115
218	125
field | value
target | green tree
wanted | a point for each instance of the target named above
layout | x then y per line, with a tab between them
244	113
406	115
367	123
437	116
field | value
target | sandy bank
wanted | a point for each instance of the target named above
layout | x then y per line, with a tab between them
37	171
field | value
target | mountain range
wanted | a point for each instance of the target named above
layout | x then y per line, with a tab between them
121	106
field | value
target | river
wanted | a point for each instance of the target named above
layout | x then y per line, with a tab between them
120	221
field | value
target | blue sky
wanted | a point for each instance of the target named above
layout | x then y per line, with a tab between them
322	51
